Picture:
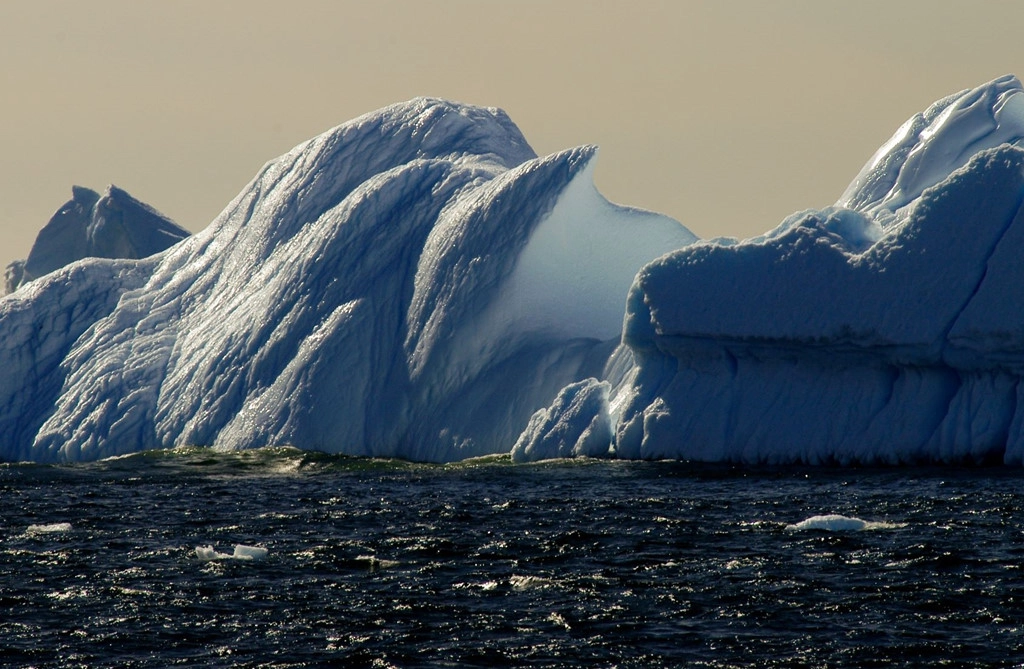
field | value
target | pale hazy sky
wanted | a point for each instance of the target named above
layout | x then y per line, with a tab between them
727	115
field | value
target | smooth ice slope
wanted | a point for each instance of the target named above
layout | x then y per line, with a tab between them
90	225
888	328
379	290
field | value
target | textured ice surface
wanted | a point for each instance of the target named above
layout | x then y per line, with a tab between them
413	283
577	423
90	225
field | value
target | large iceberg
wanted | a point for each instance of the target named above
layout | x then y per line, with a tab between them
413	283
888	328
418	283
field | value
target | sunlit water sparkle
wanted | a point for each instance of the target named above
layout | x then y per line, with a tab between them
586	563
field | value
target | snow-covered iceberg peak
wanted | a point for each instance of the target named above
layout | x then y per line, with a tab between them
932	144
378	290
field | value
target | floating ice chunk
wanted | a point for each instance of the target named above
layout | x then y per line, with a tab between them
837	523
208	553
375	563
50	528
242	552
519	582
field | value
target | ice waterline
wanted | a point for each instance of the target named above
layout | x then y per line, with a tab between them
417	283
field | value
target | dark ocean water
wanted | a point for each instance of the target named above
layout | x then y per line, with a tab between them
629	564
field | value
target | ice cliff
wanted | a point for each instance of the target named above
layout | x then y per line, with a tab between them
418	283
413	283
90	225
888	328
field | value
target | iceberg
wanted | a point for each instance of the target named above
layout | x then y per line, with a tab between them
418	283
112	225
836	523
414	283
886	329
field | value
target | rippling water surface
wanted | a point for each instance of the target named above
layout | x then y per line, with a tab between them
591	563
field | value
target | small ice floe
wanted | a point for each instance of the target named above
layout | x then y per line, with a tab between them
837	523
249	552
374	563
50	528
242	552
530	582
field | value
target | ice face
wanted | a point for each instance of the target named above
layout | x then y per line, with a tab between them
378	290
570	292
